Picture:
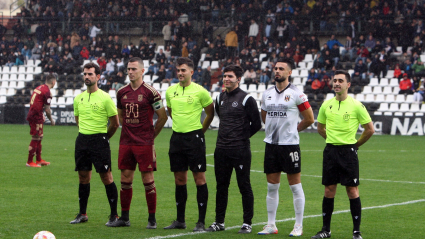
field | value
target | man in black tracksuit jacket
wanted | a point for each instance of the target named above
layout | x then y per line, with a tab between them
239	120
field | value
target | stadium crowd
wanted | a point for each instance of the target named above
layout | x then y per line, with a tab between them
69	32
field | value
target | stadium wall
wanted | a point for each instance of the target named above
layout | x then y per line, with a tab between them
394	125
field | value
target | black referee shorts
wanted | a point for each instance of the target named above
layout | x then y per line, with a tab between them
92	149
340	165
187	150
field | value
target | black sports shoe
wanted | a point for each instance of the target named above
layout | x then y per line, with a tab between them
176	225
246	228
322	234
118	223
357	235
151	225
80	218
200	227
112	220
215	227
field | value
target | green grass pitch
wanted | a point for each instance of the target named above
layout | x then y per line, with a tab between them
392	190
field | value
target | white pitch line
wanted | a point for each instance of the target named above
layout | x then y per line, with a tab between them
292	219
318	176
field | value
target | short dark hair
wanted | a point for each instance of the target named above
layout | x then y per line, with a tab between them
342	72
185	60
235	68
50	78
93	65
138	60
288	61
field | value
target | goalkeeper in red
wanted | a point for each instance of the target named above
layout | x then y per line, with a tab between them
137	102
40	101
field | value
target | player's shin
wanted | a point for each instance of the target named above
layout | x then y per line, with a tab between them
150	193
181	198
299	202
272	200
202	198
126	194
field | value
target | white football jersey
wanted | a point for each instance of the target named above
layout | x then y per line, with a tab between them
283	114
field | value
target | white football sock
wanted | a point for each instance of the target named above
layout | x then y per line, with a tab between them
272	200
299	202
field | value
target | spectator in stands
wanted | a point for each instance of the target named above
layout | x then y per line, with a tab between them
333	41
397	71
416	82
118	81
207	31
170	75
119	65
349	48
84	53
104	83
316	85
326	85
185	51
94	30
10	60
110	67
264	78
269	28
161	74
418	68
360	71
335	54
370	42
419	95
231	42
40	33
101	61
76	50
362	53
282	31
27	53
250	77
405	85
206	78
253	29
20	59
197	75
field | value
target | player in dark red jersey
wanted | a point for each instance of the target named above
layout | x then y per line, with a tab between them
40	100
137	102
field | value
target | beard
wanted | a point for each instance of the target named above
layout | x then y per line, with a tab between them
277	79
89	83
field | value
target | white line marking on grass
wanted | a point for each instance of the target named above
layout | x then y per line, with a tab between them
318	176
293	219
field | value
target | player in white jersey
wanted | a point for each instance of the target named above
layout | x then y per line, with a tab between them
280	108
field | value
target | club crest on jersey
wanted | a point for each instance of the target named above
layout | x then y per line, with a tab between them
140	98
189	100
94	107
287	98
125	97
346	117
234	104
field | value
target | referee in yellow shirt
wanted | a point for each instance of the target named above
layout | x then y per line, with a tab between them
338	122
185	102
92	109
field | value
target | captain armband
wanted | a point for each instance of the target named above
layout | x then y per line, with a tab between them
158	105
303	106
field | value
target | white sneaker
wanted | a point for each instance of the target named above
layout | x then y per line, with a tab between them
268	229
297	231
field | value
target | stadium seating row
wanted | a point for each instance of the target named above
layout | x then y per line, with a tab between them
5	70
